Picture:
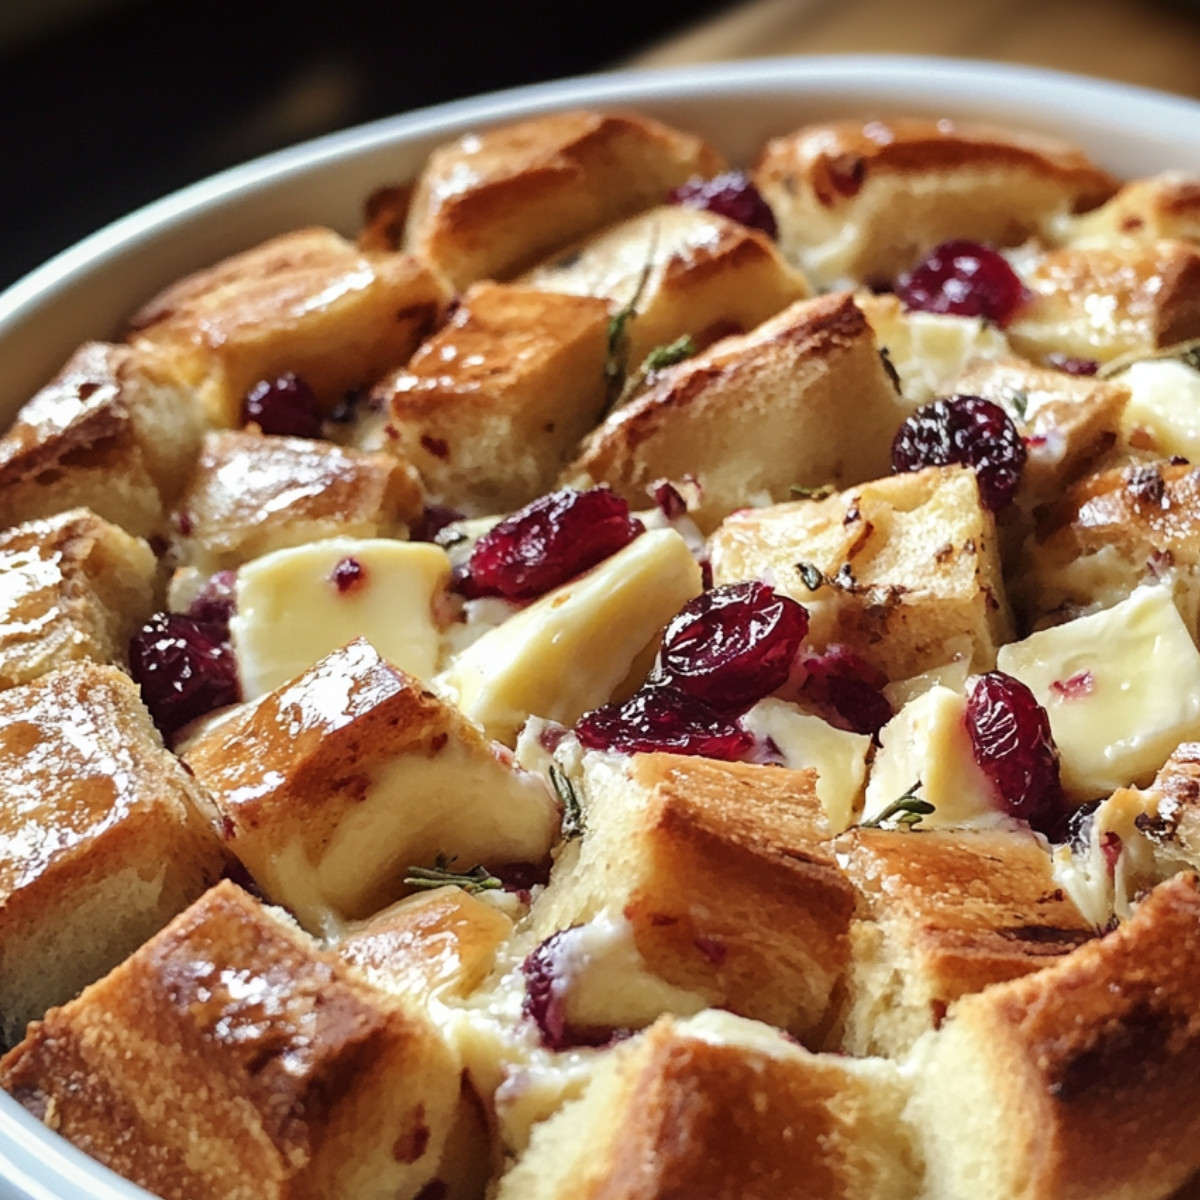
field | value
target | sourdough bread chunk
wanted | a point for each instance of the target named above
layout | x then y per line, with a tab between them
677	270
115	431
896	569
491	406
308	302
493	203
725	1108
803	400
296	605
72	587
105	836
861	201
1144	210
333	785
1077	1081
724	877
231	1059
251	494
943	914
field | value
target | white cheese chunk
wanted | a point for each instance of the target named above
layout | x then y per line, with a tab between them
291	611
1121	687
927	742
931	350
838	756
568	651
1164	405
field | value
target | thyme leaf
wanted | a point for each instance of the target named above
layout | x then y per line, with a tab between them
669	354
812	493
908	810
477	879
573	824
1019	399
811	576
616	362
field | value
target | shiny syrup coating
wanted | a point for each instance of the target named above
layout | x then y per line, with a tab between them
661	718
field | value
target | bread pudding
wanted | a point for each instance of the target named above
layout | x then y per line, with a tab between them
632	679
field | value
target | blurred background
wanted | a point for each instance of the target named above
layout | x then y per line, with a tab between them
108	104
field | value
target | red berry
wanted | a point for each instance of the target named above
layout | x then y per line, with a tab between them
185	669
216	601
1072	364
964	279
970	431
660	718
731	646
1011	741
284	406
847	690
546	983
548	543
730	195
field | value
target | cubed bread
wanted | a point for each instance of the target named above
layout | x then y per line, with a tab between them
251	494
493	203
1144	210
716	879
492	405
307	302
678	271
859	202
895	569
1103	302
942	914
1078	1082
1171	806
724	1108
106	838
334	785
115	431
802	400
74	587
231	1059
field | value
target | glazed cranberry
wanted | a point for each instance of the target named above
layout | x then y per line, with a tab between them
548	543
847	690
1072	364
964	279
660	718
545	1003
731	646
730	195
216	601
970	431
286	406
1011	741
185	668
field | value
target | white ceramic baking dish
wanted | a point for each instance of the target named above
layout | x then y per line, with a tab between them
87	291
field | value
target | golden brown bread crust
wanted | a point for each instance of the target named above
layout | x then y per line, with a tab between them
493	203
307	302
251	494
1163	206
245	1063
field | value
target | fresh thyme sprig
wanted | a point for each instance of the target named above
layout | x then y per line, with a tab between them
477	879
616	362
573	824
909	810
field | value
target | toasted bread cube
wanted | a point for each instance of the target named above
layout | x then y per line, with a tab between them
106	838
252	494
1103	302
306	302
491	406
1144	210
1078	1081
803	400
1172	806
721	877
725	1108
231	1059
896	569
860	202
74	587
1121	688
332	786
679	271
942	914
493	203
115	431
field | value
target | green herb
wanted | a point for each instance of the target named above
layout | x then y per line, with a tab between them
811	576
670	354
812	493
909	810
616	363
1019	399
477	879
890	368
573	824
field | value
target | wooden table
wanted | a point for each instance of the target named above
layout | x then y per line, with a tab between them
1148	42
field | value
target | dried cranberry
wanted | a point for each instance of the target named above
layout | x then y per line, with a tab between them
1072	364
731	646
216	601
348	575
285	406
1011	741
545	999
964	279
847	690
185	668
970	431
730	195
548	543
660	718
